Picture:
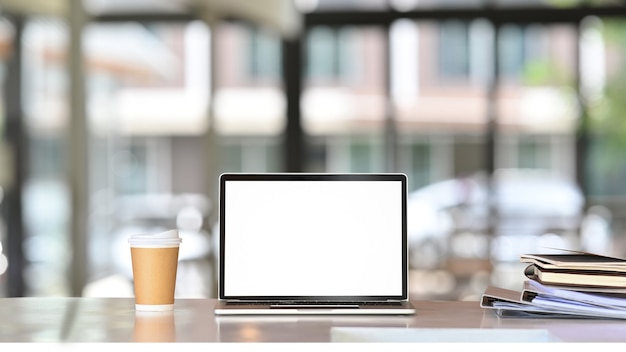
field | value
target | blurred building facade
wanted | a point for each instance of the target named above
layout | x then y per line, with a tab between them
447	96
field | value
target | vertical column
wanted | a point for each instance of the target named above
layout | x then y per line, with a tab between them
582	130
492	108
211	139
294	145
77	152
17	142
390	130
491	136
212	162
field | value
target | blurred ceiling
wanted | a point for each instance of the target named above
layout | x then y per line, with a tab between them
279	15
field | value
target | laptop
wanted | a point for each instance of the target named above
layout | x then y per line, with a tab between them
309	243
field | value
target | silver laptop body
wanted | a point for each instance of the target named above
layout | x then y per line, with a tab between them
303	243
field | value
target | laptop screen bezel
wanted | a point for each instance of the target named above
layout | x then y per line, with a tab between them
397	177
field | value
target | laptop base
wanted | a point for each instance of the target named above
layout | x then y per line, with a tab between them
225	308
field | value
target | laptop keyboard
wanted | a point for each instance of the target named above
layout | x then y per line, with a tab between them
321	303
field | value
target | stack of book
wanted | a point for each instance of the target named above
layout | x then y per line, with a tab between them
572	284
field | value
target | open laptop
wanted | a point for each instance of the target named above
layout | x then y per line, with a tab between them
302	243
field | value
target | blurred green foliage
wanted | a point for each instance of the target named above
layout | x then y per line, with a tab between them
608	112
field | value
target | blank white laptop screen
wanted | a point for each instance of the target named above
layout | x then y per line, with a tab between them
313	238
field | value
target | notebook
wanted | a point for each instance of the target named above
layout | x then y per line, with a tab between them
304	243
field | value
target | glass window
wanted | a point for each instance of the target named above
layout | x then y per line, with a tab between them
361	156
47	157
231	157
511	50
250	154
469	155
420	165
273	156
454	49
263	54
344	97
348	68
249	104
536	98
131	169
322	53
331	54
524	52
533	154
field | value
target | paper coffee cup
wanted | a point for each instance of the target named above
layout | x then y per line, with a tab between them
155	263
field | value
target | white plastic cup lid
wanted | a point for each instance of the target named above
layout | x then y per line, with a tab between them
167	238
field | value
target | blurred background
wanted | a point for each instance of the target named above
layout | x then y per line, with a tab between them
117	116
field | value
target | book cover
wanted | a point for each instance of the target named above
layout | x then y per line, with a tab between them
574	260
577	288
589	278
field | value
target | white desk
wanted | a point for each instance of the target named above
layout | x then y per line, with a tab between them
39	319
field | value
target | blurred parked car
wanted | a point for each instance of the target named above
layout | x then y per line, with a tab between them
523	203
